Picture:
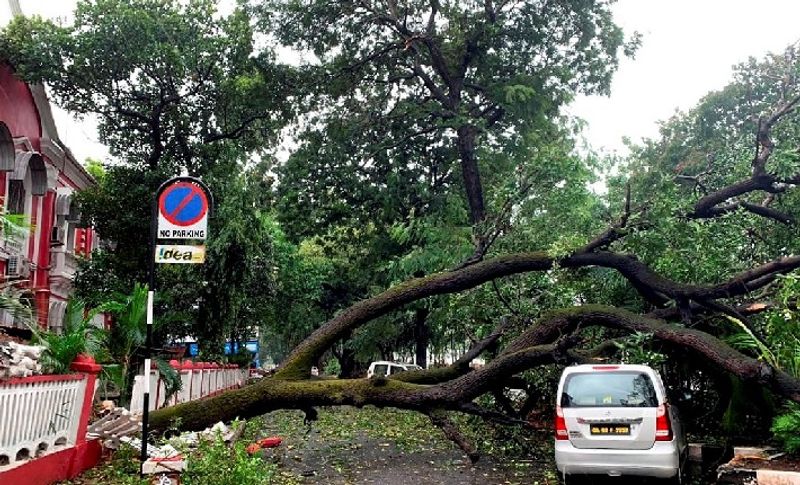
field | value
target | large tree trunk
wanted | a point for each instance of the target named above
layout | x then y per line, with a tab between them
421	336
298	364
467	135
457	390
347	362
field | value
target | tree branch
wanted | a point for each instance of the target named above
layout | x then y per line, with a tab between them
525	352
440	420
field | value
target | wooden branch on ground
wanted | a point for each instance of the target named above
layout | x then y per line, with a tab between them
299	362
529	350
440	419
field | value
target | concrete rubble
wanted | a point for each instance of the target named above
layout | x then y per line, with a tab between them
168	458
18	360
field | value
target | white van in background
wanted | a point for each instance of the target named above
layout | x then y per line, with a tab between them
615	420
385	368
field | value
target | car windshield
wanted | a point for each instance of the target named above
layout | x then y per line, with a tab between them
609	389
380	370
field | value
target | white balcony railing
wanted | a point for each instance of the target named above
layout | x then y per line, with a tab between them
198	380
39	414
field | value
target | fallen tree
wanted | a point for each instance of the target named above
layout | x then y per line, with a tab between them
416	91
293	388
555	337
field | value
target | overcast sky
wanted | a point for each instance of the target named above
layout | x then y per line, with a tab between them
688	49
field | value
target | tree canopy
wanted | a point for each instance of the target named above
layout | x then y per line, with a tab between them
429	192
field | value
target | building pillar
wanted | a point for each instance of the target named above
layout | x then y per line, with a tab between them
86	365
35	204
3	178
41	277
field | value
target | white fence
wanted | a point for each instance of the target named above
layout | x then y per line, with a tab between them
39	414
198	379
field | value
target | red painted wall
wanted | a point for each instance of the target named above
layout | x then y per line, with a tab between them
17	109
19	113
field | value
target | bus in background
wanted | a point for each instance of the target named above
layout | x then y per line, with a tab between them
252	346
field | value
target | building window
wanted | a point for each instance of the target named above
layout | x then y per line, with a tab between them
7	154
16	197
71	237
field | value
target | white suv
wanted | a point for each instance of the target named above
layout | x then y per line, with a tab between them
615	420
385	368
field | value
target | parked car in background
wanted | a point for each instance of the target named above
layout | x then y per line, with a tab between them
385	368
615	420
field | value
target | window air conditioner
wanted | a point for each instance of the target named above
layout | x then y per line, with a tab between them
17	266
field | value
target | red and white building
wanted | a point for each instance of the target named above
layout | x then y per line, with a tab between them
39	178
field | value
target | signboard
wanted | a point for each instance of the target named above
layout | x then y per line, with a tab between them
179	254
182	211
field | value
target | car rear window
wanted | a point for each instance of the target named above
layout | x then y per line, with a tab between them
608	389
380	370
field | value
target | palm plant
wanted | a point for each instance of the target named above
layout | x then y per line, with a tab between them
126	337
79	335
781	351
126	340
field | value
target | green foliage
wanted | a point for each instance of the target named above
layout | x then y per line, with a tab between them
95	168
784	343
380	139
178	88
243	358
130	319
126	337
215	463
703	150
170	377
78	336
746	340
634	350
304	279
239	276
787	428
332	367
162	77
119	211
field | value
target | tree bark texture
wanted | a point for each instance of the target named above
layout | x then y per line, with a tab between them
527	351
470	172
647	281
421	336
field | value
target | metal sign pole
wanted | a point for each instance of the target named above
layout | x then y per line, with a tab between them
187	218
151	287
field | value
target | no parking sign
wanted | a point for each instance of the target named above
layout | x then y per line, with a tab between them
180	212
183	210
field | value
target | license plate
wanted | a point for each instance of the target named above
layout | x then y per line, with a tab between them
610	429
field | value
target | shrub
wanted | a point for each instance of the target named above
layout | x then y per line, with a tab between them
332	367
787	429
214	463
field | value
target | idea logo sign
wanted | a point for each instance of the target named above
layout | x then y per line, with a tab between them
179	254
